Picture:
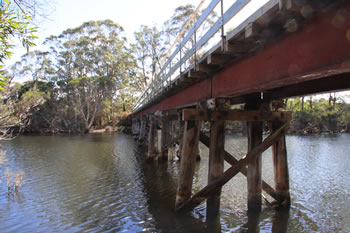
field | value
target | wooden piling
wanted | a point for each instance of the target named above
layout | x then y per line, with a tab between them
254	183
216	163
170	141
137	127
159	144
188	158
151	139
280	166
180	142
171	151
141	129
163	138
133	126
254	180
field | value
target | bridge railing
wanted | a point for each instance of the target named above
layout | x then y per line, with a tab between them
164	77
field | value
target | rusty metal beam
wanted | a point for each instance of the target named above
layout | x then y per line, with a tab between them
323	44
317	53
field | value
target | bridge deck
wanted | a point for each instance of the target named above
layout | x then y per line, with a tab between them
302	50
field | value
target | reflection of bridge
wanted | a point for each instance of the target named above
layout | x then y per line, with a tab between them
284	49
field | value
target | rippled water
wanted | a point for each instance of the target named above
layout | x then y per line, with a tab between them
100	183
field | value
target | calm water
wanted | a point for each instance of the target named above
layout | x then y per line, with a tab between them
100	183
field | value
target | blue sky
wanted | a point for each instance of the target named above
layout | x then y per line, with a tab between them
130	14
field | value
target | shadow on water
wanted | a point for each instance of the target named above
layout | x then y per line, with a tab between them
160	184
277	218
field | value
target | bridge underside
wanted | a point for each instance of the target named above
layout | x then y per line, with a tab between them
313	59
266	58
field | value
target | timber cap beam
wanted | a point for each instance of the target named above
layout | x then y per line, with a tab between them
234	115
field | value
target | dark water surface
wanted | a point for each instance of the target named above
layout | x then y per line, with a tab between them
100	183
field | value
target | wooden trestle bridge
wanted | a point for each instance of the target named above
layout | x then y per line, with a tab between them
286	48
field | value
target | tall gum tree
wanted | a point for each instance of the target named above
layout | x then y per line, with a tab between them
92	63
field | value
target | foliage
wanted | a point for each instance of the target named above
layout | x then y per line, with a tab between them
13	24
177	22
149	50
313	116
153	45
83	80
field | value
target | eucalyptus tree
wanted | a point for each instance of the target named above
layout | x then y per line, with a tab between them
178	20
93	64
35	65
151	44
181	22
149	49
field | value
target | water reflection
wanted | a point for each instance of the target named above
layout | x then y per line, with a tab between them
100	183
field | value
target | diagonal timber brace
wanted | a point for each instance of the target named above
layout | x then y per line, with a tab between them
197	198
232	161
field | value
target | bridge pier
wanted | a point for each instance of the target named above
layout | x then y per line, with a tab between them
163	138
188	158
151	139
275	51
135	127
252	160
280	166
250	165
254	181
216	158
170	143
142	131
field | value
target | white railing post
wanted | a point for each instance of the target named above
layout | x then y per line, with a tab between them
195	46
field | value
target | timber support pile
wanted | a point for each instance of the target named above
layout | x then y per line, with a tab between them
182	127
275	53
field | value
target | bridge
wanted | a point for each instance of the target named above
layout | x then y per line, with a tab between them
284	49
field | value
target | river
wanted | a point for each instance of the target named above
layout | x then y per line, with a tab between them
101	183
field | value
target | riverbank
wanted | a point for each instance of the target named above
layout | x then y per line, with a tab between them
231	129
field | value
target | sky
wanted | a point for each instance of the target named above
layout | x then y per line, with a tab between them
130	14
